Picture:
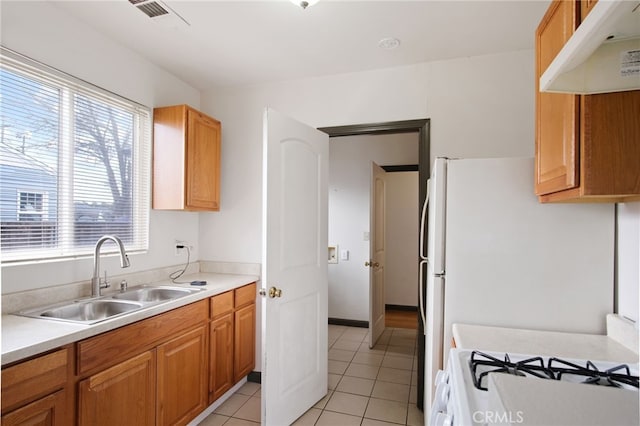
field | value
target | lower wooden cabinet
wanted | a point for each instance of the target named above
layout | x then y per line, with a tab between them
244	341
34	392
221	356
232	337
164	386
160	375
47	411
162	370
182	378
124	394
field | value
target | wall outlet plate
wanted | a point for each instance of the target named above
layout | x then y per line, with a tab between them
180	251
333	254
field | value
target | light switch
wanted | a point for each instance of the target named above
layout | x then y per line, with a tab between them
344	254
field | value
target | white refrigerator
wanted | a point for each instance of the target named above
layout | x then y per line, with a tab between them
493	255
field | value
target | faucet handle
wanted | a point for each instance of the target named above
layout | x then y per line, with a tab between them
105	283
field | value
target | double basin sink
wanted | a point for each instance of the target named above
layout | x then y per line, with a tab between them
90	311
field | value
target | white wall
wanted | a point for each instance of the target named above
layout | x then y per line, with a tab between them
44	33
482	106
490	97
629	259
401	237
479	106
350	161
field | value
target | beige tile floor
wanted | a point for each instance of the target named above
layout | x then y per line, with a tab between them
368	387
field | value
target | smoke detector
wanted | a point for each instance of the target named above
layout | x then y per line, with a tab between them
160	13
304	3
389	43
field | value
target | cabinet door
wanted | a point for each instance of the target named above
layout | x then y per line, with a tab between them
121	395
31	380
182	378
203	162
244	341
47	411
585	8
557	115
220	357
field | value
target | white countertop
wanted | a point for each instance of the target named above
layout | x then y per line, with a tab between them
23	337
543	343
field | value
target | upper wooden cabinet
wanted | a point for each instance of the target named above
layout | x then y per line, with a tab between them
585	8
587	146
186	159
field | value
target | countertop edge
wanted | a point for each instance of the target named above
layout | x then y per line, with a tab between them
58	333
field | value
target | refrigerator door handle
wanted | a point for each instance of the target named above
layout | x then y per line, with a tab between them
421	295
423	221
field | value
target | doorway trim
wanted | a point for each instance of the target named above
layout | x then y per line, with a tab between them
423	127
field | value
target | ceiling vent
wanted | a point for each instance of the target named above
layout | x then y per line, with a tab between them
159	12
152	9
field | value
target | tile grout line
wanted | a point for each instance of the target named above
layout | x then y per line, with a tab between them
402	355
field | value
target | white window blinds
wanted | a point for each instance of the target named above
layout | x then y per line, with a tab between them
74	164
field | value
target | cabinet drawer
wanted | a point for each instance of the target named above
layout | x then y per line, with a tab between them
221	304
245	295
32	379
114	346
50	410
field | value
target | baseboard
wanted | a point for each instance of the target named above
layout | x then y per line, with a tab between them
218	402
255	377
401	308
349	323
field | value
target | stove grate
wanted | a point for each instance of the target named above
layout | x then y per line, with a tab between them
617	376
481	364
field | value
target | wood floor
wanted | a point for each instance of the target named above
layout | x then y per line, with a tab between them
401	319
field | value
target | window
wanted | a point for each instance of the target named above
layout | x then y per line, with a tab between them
74	164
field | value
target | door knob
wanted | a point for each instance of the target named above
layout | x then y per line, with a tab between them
275	292
371	264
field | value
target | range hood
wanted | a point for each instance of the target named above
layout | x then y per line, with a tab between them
602	56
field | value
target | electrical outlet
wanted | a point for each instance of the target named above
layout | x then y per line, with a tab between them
179	251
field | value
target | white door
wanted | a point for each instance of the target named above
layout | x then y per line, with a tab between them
377	254
294	261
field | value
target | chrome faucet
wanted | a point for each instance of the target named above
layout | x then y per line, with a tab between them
96	282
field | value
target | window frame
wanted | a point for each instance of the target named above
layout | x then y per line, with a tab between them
70	86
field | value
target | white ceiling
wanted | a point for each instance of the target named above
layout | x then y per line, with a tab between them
230	43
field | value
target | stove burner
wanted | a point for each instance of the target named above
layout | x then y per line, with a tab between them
481	364
489	364
618	376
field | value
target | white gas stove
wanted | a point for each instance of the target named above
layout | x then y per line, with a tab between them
486	388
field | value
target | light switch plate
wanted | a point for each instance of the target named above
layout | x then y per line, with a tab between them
344	254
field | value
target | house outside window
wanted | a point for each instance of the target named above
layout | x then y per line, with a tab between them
74	164
32	206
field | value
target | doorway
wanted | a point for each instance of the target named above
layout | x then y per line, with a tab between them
422	127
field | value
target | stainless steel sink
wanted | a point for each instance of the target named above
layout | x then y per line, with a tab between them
85	311
154	294
89	311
